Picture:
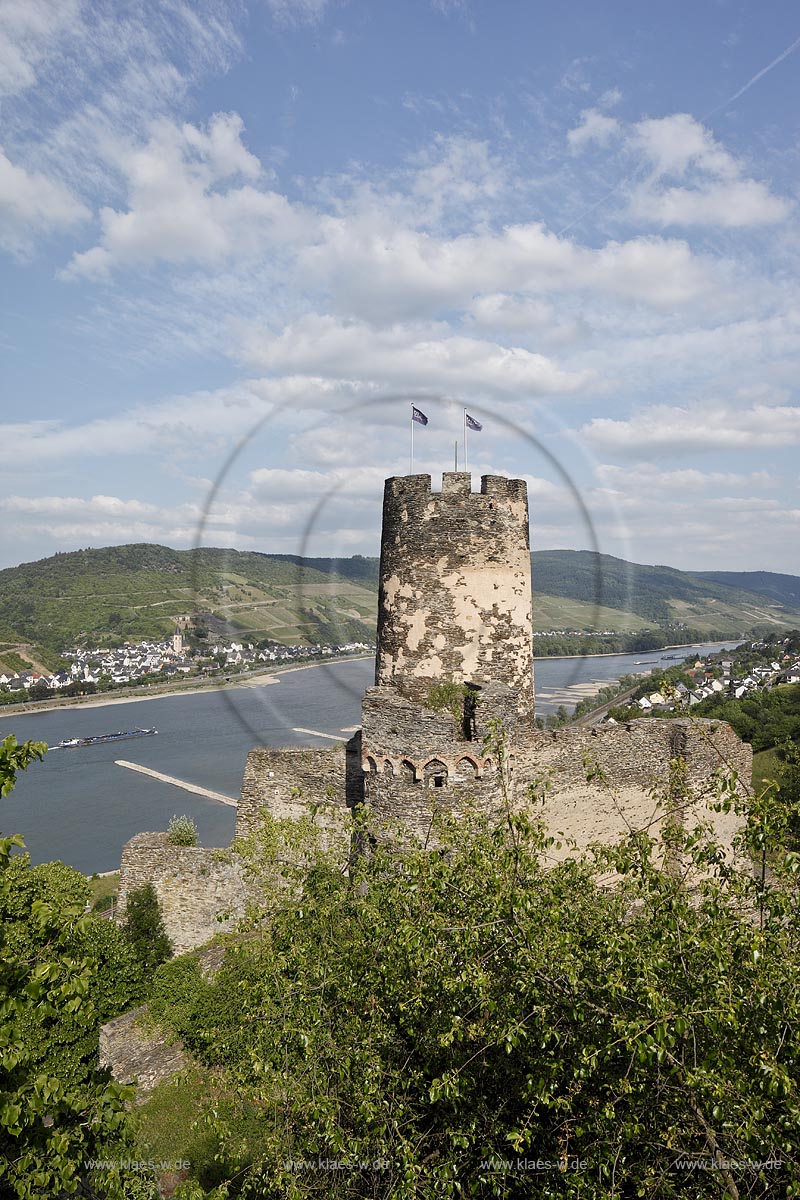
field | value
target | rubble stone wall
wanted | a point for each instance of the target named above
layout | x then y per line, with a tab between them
285	782
201	892
137	1055
633	760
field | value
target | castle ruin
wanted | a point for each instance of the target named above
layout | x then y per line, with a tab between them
454	662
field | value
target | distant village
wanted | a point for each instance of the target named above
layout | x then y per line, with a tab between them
735	674
105	669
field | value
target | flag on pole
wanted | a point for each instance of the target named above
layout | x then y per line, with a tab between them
469	423
418	416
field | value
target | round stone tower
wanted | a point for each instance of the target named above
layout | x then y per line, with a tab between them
454	601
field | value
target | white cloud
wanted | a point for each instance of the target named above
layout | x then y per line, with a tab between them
609	98
297	12
65	505
648	476
198	423
32	204
28	31
734	204
500	311
716	191
179	209
594	127
693	180
402	356
699	429
389	273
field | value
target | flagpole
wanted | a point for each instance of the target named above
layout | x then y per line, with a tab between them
411	460
466	459
455	463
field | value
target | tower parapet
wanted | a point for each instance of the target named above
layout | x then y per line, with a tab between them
454	601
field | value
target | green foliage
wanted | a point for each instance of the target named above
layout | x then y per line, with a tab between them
144	927
61	974
164	1126
762	718
440	1011
15	758
11	661
66	1047
460	700
779	780
182	831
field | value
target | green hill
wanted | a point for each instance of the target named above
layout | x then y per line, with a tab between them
664	596
138	591
781	589
581	590
129	592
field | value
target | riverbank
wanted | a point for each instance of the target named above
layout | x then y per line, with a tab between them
620	653
192	687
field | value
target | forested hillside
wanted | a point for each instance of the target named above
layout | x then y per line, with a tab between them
130	592
781	589
135	591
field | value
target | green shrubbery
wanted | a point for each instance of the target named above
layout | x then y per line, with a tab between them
182	831
439	1011
62	973
144	928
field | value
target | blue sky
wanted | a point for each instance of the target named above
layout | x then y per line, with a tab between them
273	225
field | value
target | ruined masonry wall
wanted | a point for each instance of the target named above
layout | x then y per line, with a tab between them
286	781
454	599
634	758
194	887
135	1055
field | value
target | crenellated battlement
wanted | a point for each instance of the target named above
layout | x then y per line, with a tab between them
454	483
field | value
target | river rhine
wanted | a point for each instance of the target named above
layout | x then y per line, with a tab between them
79	806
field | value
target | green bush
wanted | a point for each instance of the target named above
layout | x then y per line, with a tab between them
62	973
182	831
438	1011
144	927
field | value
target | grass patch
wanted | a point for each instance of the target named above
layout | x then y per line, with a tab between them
11	661
103	887
164	1126
164	1121
766	764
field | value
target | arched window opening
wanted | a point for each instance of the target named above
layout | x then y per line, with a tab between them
388	769
435	773
408	771
372	766
466	769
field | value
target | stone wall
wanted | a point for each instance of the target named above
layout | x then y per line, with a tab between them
454	599
138	1055
416	760
286	781
633	759
201	891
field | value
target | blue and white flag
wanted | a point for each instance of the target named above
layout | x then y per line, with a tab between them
418	416
472	423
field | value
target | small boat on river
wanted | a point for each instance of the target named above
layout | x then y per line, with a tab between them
101	738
